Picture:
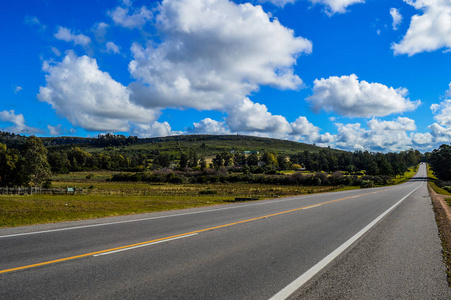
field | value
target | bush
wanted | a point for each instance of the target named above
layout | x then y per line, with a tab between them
366	184
208	192
447	188
47	184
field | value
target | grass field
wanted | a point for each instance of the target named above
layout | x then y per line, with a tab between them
114	199
105	198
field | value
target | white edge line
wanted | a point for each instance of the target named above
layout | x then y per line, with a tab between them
149	244
292	198
300	281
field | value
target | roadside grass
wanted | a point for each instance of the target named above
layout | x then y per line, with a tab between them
438	190
442	219
115	199
106	198
407	175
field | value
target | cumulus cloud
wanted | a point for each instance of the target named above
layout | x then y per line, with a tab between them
155	129
90	98
428	31
336	6
214	52
247	116
440	134
112	48
380	136
397	18
66	34
350	97
442	112
128	18
422	139
209	126
55	130
18	123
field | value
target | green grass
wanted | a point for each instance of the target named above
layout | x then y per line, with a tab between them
407	175
115	199
438	190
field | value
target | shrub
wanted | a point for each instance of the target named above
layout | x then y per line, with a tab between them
366	184
208	192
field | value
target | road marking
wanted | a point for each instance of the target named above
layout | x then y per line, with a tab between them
314	206
180	235
145	245
293	198
301	280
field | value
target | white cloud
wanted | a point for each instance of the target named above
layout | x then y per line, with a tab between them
381	135
99	30
33	21
442	112
397	18
131	19
214	53
17	89
448	92
303	127
65	34
279	3
112	48
336	6
348	97
55	130
401	124
441	134
209	126
155	129
56	51
332	6
19	125
422	139
429	31
247	116
90	98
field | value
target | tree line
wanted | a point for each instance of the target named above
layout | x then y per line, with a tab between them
32	163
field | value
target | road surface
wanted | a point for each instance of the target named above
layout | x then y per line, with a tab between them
361	244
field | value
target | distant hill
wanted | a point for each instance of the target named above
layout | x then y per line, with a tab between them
206	144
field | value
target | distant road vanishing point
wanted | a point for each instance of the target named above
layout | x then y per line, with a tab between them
379	243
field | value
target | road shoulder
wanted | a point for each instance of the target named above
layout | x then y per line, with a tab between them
400	258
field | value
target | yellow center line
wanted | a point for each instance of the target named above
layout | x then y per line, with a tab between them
180	235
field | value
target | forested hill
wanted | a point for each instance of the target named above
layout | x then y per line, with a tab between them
215	143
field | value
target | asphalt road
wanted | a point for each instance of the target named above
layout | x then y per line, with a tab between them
364	244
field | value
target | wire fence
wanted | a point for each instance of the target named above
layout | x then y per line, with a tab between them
40	190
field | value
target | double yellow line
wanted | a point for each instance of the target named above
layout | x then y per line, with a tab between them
178	235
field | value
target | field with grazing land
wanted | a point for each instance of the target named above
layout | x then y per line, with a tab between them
103	198
131	198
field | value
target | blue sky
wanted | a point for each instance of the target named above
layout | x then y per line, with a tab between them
350	74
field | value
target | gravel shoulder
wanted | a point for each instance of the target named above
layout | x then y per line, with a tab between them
401	258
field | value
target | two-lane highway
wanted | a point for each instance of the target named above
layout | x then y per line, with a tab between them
252	250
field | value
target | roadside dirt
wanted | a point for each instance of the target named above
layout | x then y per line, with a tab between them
443	217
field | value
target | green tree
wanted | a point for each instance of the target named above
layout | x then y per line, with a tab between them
36	165
440	161
218	161
203	163
8	166
183	163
